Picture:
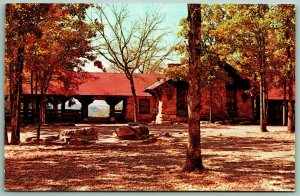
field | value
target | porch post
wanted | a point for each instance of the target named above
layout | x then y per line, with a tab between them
85	102
112	102
84	110
55	109
112	116
63	105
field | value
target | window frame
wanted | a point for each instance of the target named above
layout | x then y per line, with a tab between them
231	101
142	104
181	101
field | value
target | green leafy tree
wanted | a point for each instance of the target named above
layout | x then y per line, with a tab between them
242	42
283	16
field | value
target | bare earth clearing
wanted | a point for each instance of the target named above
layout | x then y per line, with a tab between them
235	158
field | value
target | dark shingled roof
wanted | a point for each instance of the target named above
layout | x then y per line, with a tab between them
156	84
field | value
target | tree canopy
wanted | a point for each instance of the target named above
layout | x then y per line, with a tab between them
44	42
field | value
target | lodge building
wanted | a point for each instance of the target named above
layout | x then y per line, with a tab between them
161	100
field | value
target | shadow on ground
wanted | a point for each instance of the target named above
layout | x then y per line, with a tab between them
231	163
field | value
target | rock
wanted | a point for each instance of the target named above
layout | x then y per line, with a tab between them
66	133
132	133
34	140
133	124
247	123
51	138
142	130
126	133
66	139
167	134
68	124
218	122
165	122
93	133
46	140
84	133
151	135
228	121
29	139
78	142
151	139
204	122
177	139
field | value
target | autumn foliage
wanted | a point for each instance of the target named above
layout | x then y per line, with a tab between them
44	42
257	39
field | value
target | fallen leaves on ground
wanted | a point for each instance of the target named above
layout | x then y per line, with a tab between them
236	158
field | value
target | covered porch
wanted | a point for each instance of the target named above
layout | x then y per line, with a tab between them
57	109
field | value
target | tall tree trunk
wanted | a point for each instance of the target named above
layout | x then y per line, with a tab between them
262	95
266	94
210	89
15	101
36	105
135	105
284	104
43	111
193	158
42	102
15	96
262	98
19	107
41	116
31	95
255	113
291	112
262	106
38	132
210	101
262	72
255	108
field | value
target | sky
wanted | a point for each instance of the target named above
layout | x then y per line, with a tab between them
173	12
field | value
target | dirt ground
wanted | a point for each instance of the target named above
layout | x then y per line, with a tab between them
236	158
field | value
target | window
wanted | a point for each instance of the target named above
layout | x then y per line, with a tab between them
144	106
231	101
181	104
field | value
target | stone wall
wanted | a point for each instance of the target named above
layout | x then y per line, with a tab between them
167	112
163	110
142	117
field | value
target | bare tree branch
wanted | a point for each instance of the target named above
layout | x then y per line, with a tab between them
130	44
